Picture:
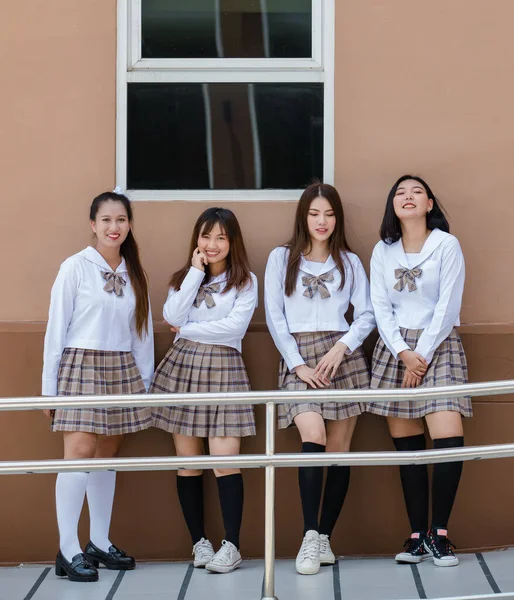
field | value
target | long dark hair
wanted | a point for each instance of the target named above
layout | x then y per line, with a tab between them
238	266
130	252
391	229
300	243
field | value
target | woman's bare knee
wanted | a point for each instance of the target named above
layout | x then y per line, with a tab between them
405	427
79	444
311	427
225	472
189	472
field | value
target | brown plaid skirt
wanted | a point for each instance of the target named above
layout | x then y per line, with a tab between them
448	367
353	373
195	367
99	372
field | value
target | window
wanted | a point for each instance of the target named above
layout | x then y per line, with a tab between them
224	99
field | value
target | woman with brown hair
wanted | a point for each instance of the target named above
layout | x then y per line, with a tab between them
99	340
209	306
310	283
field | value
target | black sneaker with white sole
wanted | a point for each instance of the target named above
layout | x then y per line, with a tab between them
414	550
441	548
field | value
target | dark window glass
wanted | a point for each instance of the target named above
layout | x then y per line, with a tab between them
239	29
224	135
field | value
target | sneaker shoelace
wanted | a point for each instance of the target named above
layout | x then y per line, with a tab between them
224	554
310	549
324	545
202	549
443	545
411	545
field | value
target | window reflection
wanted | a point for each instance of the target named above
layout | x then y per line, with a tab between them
224	135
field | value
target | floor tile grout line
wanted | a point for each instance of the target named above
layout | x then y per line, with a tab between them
487	573
336	578
417	580
39	581
185	584
115	585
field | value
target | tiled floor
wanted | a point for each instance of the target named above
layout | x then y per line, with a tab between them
489	575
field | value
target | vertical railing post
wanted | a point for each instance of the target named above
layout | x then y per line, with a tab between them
269	499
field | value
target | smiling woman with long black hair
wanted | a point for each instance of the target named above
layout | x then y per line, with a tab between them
99	340
417	281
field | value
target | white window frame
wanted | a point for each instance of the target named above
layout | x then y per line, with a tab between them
132	68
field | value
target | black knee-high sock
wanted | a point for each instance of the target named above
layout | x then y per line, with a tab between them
231	493
310	480
414	483
445	481
336	487
190	493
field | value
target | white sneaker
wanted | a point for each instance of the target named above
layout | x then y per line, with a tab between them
326	556
203	553
226	559
307	561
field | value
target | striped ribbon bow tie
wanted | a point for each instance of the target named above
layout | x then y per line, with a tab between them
317	284
205	293
114	283
406	277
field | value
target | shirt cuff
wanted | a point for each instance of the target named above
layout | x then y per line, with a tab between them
49	387
294	360
350	340
195	275
399	346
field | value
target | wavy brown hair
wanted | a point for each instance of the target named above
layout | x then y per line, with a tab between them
130	252
238	266
300	243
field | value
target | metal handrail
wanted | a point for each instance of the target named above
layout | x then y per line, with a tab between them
490	388
270	460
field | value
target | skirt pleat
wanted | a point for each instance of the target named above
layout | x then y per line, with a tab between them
448	367
203	368
353	373
98	372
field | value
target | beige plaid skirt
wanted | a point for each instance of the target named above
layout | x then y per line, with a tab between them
353	373
99	372
448	367
195	367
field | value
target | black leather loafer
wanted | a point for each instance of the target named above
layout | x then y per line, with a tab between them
79	569
115	559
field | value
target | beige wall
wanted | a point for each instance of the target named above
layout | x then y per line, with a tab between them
420	86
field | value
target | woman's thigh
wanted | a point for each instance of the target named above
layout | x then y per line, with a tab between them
186	445
311	426
225	446
339	434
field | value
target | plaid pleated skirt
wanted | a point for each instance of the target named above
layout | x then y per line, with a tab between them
99	372
448	367
353	373
196	367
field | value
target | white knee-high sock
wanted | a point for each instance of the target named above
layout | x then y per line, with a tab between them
100	498
70	489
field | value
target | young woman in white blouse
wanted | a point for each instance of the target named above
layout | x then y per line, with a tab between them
309	285
99	340
209	306
417	280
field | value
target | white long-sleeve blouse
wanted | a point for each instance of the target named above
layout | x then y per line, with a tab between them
222	321
301	313
434	305
83	315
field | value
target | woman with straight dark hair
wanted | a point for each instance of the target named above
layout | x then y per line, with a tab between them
417	281
99	340
209	306
309	285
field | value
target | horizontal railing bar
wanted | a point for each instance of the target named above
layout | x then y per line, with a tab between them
488	388
492	596
251	461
